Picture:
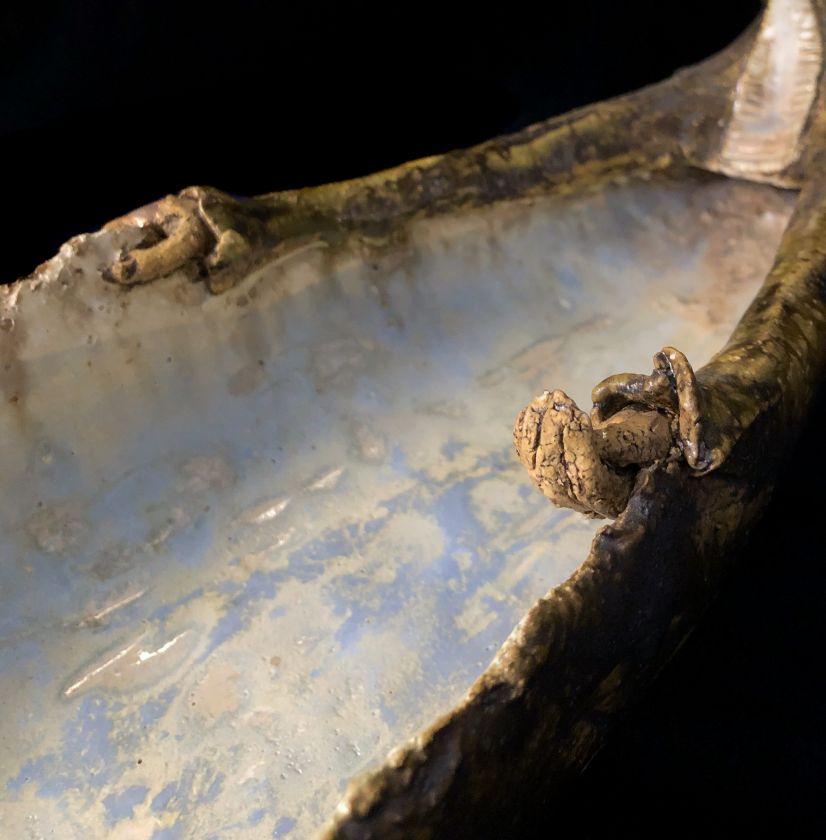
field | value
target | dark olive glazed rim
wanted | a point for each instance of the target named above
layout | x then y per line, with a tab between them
585	652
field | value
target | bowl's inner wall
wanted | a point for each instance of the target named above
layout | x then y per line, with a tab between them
250	543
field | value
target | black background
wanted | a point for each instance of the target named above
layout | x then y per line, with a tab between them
108	105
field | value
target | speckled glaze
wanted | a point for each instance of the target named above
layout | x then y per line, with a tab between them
254	541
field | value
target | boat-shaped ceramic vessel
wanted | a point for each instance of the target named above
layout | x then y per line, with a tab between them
270	564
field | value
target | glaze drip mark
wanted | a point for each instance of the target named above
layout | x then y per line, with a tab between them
96	618
773	95
267	511
133	666
328	481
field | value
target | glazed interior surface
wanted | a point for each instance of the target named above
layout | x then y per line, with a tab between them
251	542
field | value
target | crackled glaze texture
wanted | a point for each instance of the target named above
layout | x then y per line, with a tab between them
251	542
